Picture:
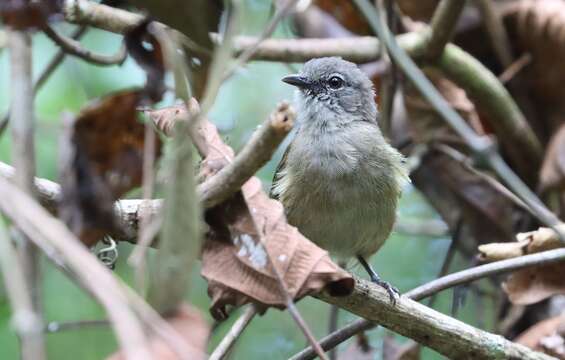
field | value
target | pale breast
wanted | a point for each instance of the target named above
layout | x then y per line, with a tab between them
339	194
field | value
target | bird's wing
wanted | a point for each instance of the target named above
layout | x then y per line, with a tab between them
277	175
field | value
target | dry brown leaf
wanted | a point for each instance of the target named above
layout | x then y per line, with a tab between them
192	327
103	158
236	264
27	14
552	174
531	285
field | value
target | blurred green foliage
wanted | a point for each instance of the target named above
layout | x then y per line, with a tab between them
244	101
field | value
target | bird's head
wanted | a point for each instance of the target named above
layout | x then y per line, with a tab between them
335	85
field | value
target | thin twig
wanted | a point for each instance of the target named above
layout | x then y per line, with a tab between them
514	68
443	25
290	305
246	55
74	48
23	154
59	326
234	333
435	286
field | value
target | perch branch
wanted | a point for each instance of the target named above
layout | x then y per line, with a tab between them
448	336
73	47
438	285
442	26
233	334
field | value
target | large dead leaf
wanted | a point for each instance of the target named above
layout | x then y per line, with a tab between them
102	158
249	231
192	327
546	336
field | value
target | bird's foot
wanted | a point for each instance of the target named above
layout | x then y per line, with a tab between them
392	291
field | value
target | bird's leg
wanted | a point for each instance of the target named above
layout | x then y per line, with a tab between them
393	292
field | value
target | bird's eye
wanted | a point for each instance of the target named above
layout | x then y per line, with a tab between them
335	82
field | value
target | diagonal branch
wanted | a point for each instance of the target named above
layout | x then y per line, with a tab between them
438	285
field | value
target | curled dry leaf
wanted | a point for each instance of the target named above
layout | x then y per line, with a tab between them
249	231
102	158
28	14
528	243
192	327
547	336
533	284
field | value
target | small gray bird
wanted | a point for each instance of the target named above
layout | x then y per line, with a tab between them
339	180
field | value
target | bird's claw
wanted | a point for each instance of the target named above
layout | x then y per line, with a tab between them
392	291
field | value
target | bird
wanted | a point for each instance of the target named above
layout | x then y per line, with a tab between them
339	180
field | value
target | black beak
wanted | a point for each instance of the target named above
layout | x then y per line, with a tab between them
296	80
